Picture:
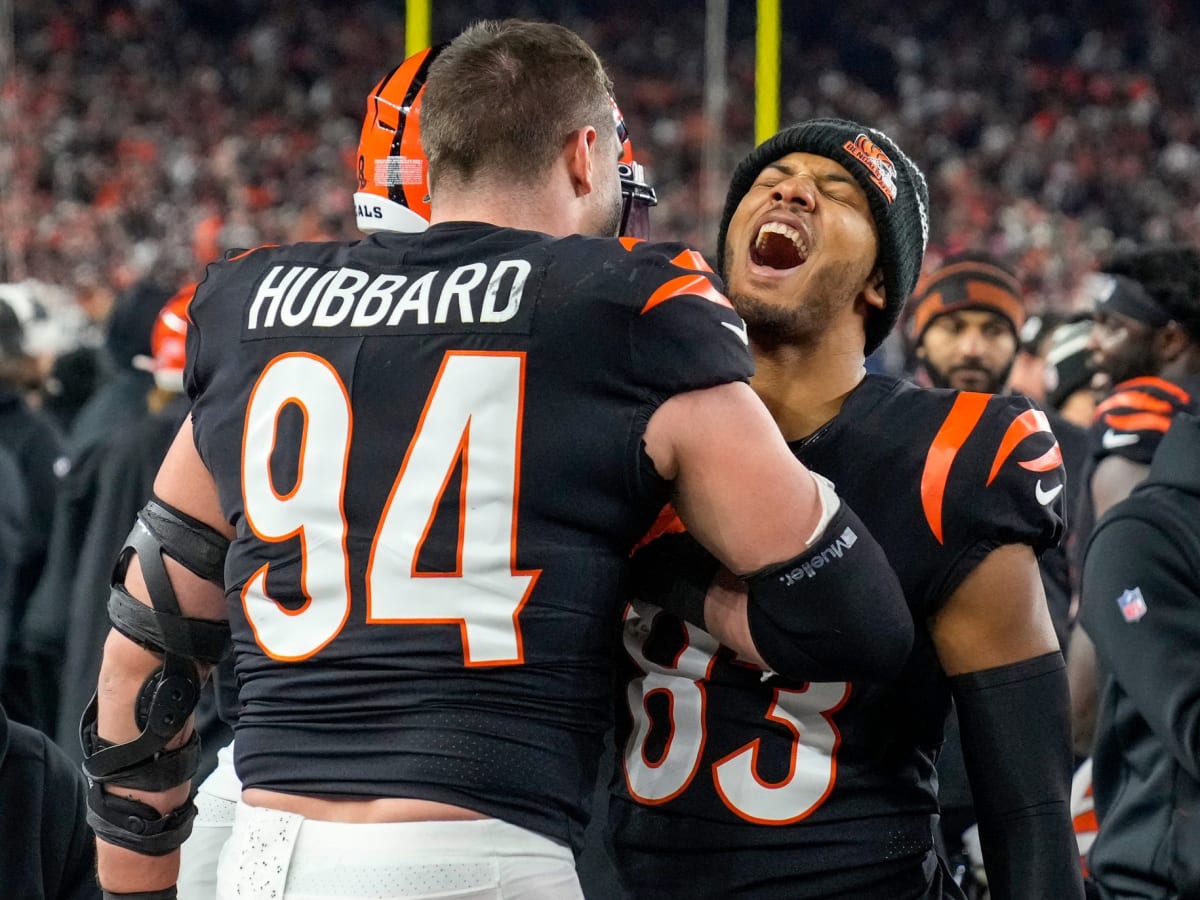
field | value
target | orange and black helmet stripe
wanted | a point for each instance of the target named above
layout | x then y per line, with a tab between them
392	131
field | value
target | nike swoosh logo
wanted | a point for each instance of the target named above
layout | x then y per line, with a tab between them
1046	497
740	332
1111	439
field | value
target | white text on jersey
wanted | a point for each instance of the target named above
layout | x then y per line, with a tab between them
807	569
308	296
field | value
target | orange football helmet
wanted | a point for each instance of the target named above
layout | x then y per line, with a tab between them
168	342
393	174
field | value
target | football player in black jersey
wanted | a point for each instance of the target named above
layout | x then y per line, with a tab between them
967	316
1145	341
392	195
413	473
743	783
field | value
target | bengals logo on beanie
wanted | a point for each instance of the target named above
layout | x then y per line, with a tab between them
968	281
882	169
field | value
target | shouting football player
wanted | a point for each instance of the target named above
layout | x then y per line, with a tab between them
825	787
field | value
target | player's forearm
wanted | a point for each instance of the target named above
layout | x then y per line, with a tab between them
837	612
122	871
1034	855
1081	677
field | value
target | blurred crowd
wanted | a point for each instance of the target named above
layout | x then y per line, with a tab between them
143	137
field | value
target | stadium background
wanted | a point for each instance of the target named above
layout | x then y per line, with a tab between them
141	138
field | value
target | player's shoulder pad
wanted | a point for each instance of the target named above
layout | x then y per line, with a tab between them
220	274
664	271
994	472
681	332
1131	421
215	309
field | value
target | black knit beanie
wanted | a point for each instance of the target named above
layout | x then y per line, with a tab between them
895	190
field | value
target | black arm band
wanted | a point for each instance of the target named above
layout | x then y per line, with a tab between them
836	612
1016	742
204	640
137	826
199	547
165	894
674	572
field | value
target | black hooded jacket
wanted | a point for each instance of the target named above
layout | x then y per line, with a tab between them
46	847
1141	588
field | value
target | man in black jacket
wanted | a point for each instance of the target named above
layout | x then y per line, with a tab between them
1142	579
45	843
35	443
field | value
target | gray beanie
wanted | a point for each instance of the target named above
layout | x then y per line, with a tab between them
895	190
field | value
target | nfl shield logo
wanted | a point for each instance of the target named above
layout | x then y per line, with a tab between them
1133	604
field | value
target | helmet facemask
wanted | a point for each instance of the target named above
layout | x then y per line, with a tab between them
637	196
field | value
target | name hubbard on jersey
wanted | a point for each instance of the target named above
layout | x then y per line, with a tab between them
312	298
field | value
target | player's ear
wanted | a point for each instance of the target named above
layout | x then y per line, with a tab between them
874	292
579	152
1172	340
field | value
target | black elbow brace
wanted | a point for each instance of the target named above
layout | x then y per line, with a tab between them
1016	742
168	696
836	612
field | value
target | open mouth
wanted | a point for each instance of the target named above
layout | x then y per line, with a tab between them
778	246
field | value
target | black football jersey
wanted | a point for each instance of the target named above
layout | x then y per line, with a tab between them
431	449
1131	421
738	783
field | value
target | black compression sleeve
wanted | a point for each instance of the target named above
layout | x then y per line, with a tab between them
1016	745
834	613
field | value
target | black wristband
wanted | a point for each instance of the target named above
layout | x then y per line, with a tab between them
674	572
165	894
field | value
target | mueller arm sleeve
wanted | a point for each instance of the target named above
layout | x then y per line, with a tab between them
1017	748
836	612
